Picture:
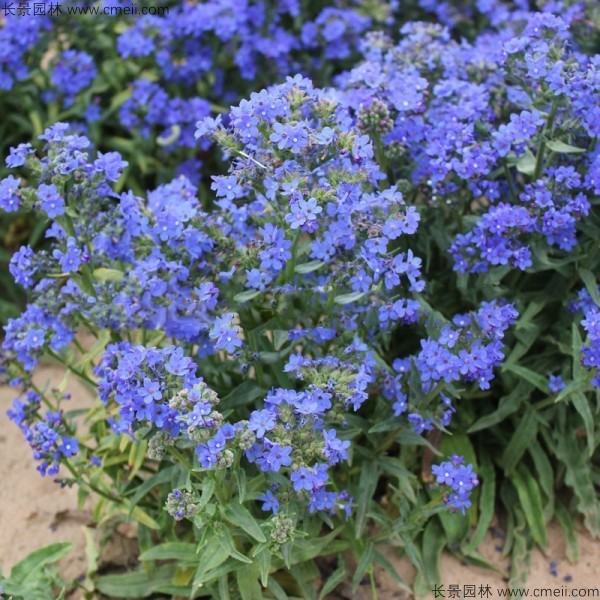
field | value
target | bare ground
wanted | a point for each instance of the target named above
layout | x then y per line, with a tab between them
34	511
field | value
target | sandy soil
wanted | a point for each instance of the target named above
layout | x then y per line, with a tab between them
34	512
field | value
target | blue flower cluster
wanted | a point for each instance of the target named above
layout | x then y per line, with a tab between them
146	385
313	228
467	350
454	145
590	353
256	34
17	37
73	72
48	436
458	479
304	211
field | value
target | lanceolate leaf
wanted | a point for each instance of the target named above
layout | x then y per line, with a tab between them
239	515
487	497
531	503
563	148
578	476
523	436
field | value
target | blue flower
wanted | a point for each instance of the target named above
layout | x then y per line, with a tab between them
270	502
225	333
303	212
18	156
50	200
9	194
292	137
71	259
261	421
277	456
110	164
150	391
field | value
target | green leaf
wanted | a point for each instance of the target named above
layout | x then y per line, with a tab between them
275	588
508	405
582	406
241	484
144	518
104	274
522	438
456	526
433	544
366	488
137	584
245	393
364	564
487	498
562	148
386	425
412	551
240	516
161	477
305	550
531	503
384	562
247	580
227	542
533	308
576	344
540	382
270	358
545	475
348	298
264	561
246	296
521	554
336	578
410	438
590	283
392	466
459	443
224	587
208	488
180	551
171	138
526	163
104	337
578	476
566	522
309	267
213	554
36	123
92	553
29	568
280	338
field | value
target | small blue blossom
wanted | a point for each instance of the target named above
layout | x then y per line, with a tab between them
303	213
9	194
556	383
51	202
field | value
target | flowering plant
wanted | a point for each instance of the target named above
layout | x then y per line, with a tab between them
390	273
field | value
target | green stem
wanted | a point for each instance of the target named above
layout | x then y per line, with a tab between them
78	345
180	458
511	185
71	368
373	584
586	263
542	145
291	264
83	483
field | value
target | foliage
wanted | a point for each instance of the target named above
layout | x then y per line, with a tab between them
391	266
36	577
